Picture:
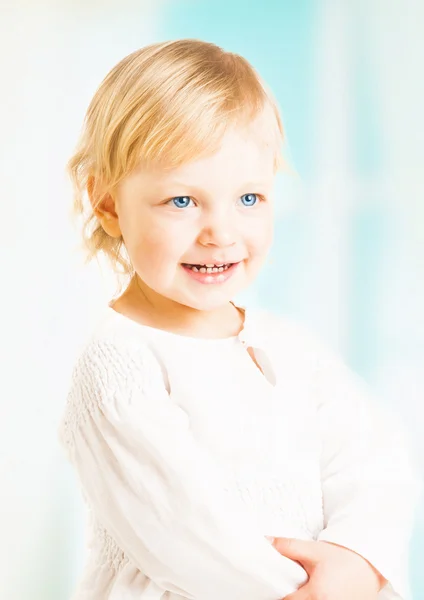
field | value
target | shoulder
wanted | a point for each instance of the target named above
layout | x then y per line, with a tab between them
112	372
107	361
291	338
300	353
115	350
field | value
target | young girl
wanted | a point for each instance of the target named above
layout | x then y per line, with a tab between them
198	427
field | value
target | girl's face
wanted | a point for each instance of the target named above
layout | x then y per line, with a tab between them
212	211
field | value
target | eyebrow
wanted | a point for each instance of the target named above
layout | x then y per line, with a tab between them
172	182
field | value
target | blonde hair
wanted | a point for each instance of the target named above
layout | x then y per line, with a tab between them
164	104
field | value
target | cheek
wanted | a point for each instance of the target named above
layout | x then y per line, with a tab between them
159	249
154	244
259	236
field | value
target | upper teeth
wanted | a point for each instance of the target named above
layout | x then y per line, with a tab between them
209	268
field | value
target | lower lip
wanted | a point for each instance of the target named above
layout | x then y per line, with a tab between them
212	278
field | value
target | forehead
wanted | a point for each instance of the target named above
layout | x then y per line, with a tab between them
243	155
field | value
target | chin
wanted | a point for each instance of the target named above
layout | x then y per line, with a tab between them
205	304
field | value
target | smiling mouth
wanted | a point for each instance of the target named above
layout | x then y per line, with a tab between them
219	268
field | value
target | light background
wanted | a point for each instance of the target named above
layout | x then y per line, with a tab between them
349	253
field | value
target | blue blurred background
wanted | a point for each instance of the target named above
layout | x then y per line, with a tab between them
348	257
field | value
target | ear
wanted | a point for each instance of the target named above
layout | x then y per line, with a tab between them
105	209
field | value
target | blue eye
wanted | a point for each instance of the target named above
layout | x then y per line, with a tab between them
181	201
249	199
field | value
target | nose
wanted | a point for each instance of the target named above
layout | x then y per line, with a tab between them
218	229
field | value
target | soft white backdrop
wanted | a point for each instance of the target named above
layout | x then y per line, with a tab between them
349	253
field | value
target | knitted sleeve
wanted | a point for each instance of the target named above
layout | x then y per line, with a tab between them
156	490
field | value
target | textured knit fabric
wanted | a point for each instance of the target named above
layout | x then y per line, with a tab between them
188	455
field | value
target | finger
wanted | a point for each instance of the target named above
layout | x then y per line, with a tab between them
302	593
306	552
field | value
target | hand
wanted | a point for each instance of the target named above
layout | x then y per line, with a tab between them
334	572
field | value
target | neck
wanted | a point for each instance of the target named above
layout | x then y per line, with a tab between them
144	305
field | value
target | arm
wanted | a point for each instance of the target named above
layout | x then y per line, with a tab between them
370	488
156	490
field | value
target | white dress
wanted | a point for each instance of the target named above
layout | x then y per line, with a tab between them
188	456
